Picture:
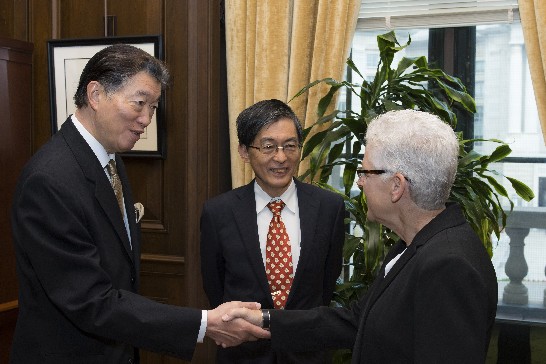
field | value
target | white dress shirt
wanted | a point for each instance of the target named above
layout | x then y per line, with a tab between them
392	261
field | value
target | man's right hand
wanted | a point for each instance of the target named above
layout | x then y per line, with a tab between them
249	314
236	330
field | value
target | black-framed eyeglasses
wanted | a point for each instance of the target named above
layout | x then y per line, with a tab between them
365	172
268	149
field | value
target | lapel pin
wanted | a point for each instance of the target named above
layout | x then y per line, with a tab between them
139	211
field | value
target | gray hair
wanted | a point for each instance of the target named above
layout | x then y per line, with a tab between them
420	146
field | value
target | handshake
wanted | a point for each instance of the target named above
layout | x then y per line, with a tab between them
233	323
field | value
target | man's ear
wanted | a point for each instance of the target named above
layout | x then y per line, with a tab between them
243	152
93	94
398	187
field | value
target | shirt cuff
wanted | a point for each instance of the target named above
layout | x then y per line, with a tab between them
203	327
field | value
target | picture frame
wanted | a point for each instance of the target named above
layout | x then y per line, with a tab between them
66	60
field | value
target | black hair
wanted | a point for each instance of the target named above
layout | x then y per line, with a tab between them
251	120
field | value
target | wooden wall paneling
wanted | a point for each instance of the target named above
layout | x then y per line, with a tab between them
148	185
43	21
175	165
8	319
6	19
20	16
203	119
15	150
135	17
13	19
162	279
81	19
204	105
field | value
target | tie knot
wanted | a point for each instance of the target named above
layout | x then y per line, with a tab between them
111	167
276	206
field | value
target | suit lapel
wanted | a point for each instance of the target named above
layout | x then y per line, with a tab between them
378	287
245	217
383	281
96	176
308	210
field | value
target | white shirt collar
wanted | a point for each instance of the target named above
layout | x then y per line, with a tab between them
288	197
392	262
97	147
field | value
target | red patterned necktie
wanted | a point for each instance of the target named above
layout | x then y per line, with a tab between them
278	257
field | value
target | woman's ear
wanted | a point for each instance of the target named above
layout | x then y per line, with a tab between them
398	187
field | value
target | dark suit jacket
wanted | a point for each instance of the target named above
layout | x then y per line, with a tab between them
233	268
436	305
78	277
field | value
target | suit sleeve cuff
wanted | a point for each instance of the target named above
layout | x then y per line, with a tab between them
203	327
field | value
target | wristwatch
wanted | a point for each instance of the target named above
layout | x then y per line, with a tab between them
265	319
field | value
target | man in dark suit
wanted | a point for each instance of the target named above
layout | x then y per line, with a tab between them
435	297
234	229
76	236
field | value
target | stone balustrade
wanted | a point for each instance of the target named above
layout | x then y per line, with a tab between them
515	305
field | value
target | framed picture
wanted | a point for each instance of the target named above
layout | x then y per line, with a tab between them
66	60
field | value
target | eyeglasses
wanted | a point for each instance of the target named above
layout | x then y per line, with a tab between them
268	149
365	172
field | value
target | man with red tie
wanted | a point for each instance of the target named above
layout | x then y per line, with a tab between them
276	240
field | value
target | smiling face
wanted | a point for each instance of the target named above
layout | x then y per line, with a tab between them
273	172
120	117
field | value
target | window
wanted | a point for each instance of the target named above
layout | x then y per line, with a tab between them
542	191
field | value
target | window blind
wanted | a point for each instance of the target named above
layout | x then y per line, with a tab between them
393	14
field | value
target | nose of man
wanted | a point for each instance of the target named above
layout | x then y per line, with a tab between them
145	118
280	156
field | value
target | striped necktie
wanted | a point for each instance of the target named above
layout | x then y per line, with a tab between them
116	184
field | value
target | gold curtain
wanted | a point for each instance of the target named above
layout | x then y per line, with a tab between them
276	47
533	22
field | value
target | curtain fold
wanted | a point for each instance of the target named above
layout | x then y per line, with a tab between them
533	23
276	47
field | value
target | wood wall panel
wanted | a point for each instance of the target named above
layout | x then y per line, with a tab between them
162	279
197	163
149	191
13	19
15	150
8	319
138	16
203	116
80	19
43	22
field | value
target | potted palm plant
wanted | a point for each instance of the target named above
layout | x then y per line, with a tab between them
411	85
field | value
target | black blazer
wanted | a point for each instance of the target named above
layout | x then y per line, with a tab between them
232	266
78	276
436	305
